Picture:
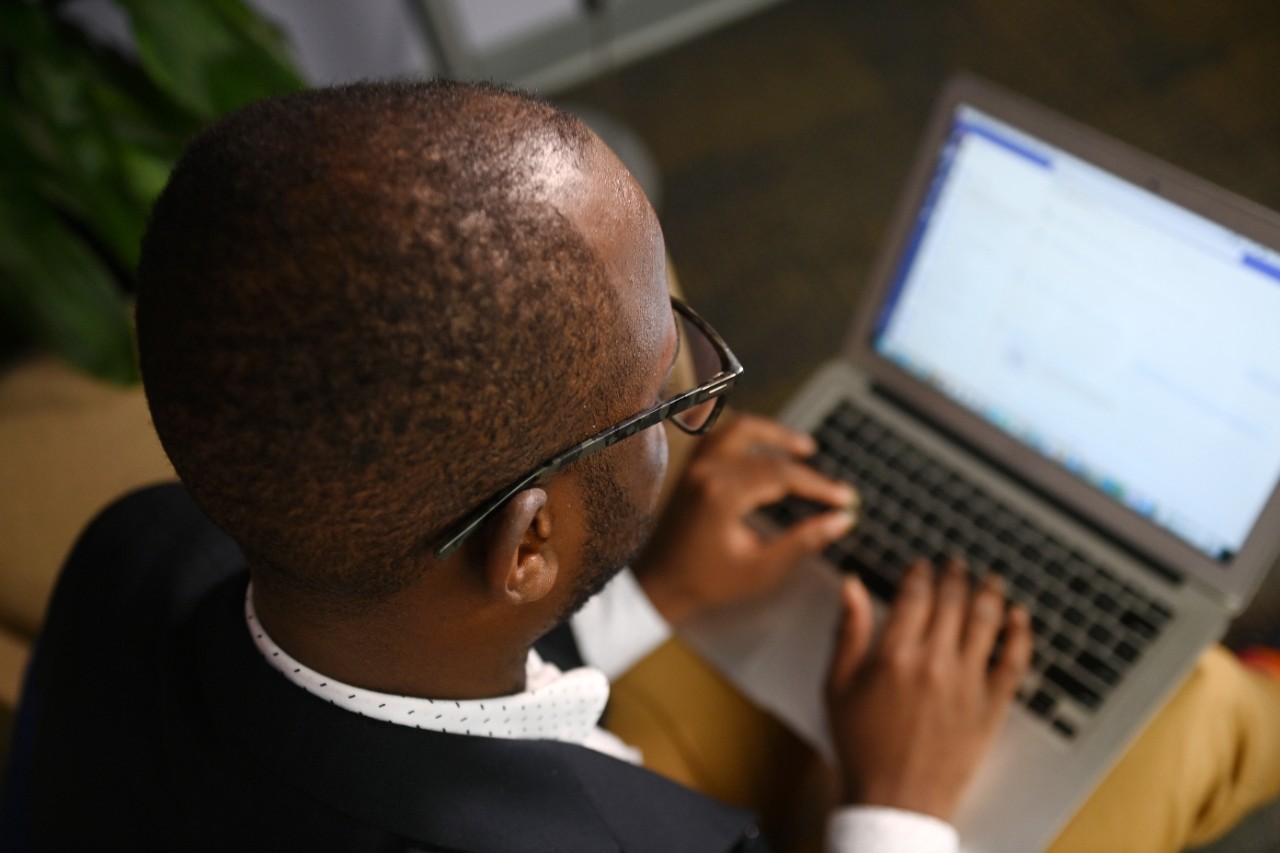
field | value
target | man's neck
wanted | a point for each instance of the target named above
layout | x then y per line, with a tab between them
397	649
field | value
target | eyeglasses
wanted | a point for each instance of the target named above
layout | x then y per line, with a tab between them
694	410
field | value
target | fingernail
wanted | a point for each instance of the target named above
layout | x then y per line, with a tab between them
840	523
849	497
987	608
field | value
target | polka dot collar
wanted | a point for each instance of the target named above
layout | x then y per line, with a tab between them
556	705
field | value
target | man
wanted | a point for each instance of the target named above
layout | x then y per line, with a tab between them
367	318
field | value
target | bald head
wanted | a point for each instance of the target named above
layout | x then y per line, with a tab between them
363	310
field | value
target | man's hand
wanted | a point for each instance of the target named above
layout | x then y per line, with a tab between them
703	552
913	716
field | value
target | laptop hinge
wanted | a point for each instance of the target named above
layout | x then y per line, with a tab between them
1166	573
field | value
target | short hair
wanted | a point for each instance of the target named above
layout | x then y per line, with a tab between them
355	323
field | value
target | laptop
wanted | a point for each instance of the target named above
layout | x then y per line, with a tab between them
1065	370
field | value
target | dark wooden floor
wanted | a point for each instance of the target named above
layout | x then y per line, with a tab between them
783	141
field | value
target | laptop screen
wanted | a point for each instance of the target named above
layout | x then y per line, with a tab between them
1133	342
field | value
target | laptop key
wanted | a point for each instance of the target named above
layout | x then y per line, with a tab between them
1042	703
1100	634
1079	586
1063	643
878	585
1138	624
1127	652
1024	582
1097	667
1073	687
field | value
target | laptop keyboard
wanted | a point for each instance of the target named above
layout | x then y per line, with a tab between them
1090	626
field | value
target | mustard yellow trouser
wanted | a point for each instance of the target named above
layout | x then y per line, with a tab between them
1208	757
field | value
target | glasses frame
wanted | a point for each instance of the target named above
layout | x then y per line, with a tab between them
716	388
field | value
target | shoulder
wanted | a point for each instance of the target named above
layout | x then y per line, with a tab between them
152	549
194	738
654	813
106	676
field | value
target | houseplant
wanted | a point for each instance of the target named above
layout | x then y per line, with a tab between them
88	134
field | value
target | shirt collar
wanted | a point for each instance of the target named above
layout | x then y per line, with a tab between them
555	705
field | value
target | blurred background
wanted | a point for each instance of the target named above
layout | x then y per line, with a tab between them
772	135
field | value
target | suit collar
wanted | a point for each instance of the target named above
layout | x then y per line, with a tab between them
448	790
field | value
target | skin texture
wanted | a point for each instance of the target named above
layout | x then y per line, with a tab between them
362	311
705	553
913	716
464	629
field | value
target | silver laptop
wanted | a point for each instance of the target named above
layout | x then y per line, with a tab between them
1066	370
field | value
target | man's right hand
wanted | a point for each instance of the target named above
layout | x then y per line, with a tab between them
912	716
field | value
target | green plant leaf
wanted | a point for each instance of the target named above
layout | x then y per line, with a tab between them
73	111
60	292
87	139
212	56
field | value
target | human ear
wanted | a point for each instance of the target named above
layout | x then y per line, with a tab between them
520	566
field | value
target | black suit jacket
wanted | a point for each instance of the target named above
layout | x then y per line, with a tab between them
157	725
